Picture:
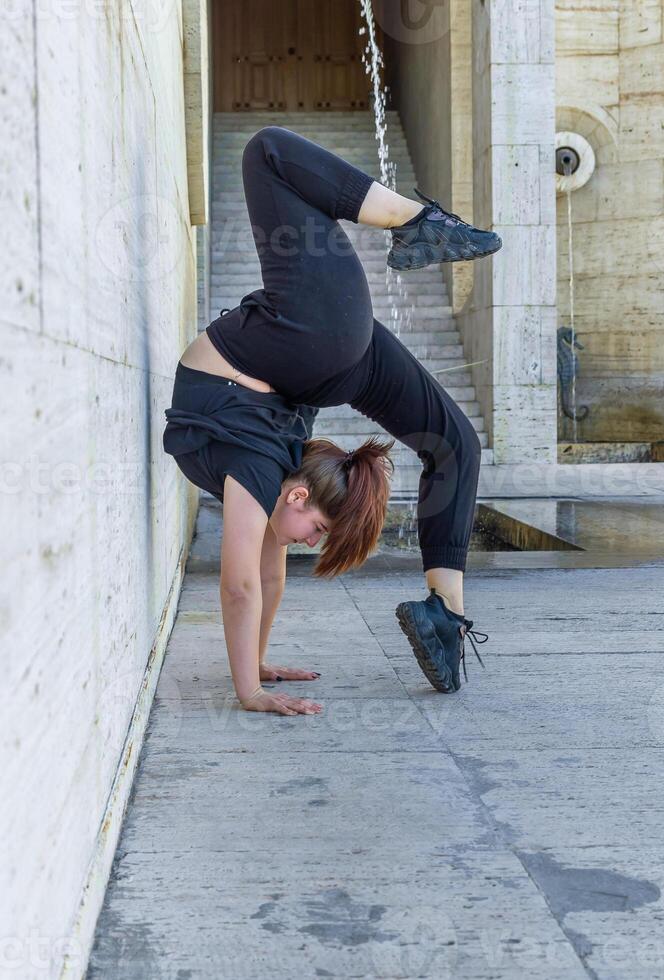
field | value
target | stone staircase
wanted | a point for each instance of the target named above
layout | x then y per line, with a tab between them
415	305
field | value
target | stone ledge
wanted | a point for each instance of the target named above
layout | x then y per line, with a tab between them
579	480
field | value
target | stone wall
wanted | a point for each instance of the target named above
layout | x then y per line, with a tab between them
610	88
98	279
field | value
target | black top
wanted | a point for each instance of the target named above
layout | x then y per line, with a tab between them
257	437
322	360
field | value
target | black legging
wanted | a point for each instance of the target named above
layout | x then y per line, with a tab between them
311	334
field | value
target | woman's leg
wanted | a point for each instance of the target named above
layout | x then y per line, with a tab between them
410	404
384	208
296	190
314	314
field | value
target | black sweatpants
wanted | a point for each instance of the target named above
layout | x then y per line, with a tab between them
310	331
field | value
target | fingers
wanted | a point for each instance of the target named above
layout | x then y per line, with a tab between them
297	674
308	707
301	673
289	674
283	709
300	705
282	704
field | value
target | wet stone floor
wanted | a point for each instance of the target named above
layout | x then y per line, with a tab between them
511	830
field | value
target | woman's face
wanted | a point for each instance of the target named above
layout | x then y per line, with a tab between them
293	522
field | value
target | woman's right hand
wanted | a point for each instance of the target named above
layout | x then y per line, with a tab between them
281	704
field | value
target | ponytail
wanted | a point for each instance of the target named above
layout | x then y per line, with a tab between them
352	489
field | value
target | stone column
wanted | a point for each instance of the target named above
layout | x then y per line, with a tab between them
460	62
510	319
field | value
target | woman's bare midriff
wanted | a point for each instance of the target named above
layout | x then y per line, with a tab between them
202	355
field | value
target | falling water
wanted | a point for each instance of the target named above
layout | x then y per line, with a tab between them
400	313
570	250
372	59
400	309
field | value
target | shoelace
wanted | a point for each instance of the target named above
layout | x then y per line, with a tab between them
470	634
451	214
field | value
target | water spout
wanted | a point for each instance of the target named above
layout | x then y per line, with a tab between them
568	162
570	247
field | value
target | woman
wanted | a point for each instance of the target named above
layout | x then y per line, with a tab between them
248	388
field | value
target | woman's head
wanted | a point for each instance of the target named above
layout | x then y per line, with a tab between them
342	495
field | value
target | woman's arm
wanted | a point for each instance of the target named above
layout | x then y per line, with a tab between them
273	581
240	587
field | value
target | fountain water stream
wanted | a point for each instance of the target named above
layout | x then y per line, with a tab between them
400	310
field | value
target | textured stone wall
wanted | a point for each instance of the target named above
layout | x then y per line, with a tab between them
610	88
98	280
509	321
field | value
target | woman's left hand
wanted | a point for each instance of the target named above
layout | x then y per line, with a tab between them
274	672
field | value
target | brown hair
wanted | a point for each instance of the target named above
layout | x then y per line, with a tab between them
353	491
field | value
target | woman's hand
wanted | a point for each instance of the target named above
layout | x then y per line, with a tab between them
281	704
273	672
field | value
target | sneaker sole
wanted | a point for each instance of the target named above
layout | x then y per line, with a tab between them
421	635
399	262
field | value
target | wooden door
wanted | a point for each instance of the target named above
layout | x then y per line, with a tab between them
288	55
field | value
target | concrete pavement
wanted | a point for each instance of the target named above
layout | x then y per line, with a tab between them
511	830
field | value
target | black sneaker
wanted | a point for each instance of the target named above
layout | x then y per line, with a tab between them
437	635
436	235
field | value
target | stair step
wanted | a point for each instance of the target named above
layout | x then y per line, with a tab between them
415	314
230	176
362	427
426	279
340	414
367	149
230	296
338	142
433	352
437	364
268	117
230	172
222	195
227	234
405	322
228	114
223	287
223	283
411	336
233	182
226	205
414	339
418	313
362	237
336	128
431	285
464	396
402	455
365	125
226	163
406	477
